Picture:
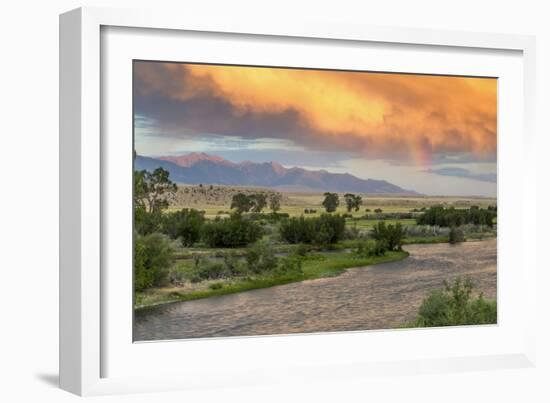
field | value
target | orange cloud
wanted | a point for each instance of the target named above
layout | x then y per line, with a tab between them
420	114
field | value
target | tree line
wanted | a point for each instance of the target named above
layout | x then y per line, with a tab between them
451	217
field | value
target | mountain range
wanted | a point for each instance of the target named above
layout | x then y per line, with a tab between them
195	168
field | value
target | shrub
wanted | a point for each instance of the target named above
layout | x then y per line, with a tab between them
233	265
185	224
435	310
207	270
176	277
260	258
454	306
323	230
216	286
230	232
456	235
371	248
391	234
145	222
153	256
291	266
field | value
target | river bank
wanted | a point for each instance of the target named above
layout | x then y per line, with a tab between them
381	296
316	265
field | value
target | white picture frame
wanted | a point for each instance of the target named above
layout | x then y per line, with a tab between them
96	356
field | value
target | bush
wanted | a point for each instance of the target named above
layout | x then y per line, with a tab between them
371	248
230	232
146	223
260	258
233	265
216	286
392	235
205	269
290	266
153	256
323	230
454	306
185	224
456	235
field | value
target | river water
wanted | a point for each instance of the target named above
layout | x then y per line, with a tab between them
374	297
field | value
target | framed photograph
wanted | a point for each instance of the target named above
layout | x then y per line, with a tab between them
242	202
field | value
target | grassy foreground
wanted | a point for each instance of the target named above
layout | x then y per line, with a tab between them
325	264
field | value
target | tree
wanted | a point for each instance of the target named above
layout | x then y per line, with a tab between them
353	202
275	202
185	225
331	202
151	190
153	256
258	201
358	202
241	203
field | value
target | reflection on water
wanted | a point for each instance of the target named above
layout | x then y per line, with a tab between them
375	297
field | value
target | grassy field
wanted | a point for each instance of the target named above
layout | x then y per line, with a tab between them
216	200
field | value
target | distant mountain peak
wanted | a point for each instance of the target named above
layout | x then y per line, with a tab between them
195	168
190	159
278	168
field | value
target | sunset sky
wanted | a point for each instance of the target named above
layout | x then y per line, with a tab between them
433	134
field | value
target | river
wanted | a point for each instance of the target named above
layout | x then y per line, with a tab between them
374	297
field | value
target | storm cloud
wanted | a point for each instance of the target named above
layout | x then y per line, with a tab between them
399	116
